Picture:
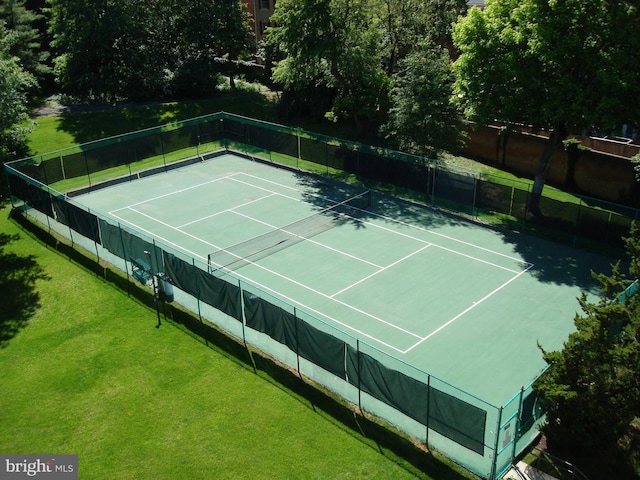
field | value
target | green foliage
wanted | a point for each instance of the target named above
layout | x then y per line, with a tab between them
542	63
138	49
561	65
402	24
591	390
26	43
422	119
332	43
15	82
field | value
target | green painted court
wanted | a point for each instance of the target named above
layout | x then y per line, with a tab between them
466	303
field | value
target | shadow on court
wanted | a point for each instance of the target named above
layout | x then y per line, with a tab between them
559	264
553	262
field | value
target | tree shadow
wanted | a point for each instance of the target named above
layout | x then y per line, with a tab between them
20	298
87	123
552	262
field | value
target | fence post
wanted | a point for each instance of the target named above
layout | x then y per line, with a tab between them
518	424
243	318
86	165
299	149
295	322
475	195
494	464
577	227
358	367
164	159
426	439
193	262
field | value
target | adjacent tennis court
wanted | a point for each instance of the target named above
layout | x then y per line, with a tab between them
465	303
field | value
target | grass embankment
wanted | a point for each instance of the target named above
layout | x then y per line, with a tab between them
84	371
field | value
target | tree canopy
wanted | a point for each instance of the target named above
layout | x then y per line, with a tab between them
591	391
331	43
139	49
564	66
15	82
26	40
422	118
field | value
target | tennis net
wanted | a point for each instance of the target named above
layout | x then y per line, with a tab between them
261	246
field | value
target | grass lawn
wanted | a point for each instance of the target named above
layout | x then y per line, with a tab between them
85	372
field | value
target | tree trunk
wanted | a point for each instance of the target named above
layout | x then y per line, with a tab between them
544	167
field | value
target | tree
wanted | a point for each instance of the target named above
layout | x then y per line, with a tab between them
563	66
91	39
441	16
209	33
15	82
422	119
402	24
591	391
26	42
335	44
140	49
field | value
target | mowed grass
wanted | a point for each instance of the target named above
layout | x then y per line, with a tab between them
89	374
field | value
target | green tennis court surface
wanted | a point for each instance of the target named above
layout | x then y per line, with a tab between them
465	303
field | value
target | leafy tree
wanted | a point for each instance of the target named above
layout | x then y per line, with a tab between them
422	119
139	49
90	38
14	114
335	44
591	390
558	65
207	31
402	24
14	117
26	42
441	15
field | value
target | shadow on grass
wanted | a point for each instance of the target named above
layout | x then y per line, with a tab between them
93	122
356	423
20	299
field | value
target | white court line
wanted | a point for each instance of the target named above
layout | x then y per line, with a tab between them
426	230
516	260
331	297
310	240
267	190
344	304
279	185
273	273
168	242
223	211
379	271
175	192
475	304
254	283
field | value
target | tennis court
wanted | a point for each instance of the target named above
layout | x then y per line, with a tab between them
465	303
